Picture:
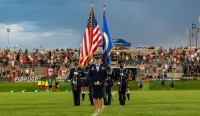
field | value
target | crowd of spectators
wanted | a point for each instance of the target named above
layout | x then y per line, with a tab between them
24	63
159	62
155	62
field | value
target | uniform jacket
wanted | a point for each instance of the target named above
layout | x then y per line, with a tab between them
79	76
95	76
124	77
109	80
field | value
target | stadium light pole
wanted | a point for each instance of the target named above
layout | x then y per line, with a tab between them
79	51
188	40
8	30
198	31
40	47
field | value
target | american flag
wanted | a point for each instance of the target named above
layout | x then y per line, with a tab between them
91	39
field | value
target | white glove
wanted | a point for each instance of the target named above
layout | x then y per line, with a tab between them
121	74
75	73
118	83
74	82
98	83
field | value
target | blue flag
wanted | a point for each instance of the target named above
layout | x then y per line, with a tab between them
107	44
194	26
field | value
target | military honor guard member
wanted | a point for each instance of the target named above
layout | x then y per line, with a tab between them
97	76
108	89
121	79
84	81
90	89
130	77
75	77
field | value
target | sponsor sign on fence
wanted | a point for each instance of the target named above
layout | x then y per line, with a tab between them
26	79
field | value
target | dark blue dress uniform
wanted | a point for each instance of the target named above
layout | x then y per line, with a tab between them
85	76
96	75
108	89
90	89
122	77
84	81
76	88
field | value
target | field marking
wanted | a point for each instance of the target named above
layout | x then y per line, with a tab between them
97	113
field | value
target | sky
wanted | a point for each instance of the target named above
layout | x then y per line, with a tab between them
51	24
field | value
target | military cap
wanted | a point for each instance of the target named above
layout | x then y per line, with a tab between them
121	62
97	56
75	60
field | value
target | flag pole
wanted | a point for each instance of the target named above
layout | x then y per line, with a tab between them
103	13
91	24
196	37
198	30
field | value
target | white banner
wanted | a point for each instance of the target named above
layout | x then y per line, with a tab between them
26	79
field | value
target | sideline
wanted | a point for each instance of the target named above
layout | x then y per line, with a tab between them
97	113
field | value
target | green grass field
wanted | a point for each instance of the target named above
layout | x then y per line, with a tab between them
179	85
142	103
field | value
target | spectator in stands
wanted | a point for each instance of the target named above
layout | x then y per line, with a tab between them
164	73
159	67
170	67
174	67
13	63
142	69
27	72
1	73
166	67
59	58
32	72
